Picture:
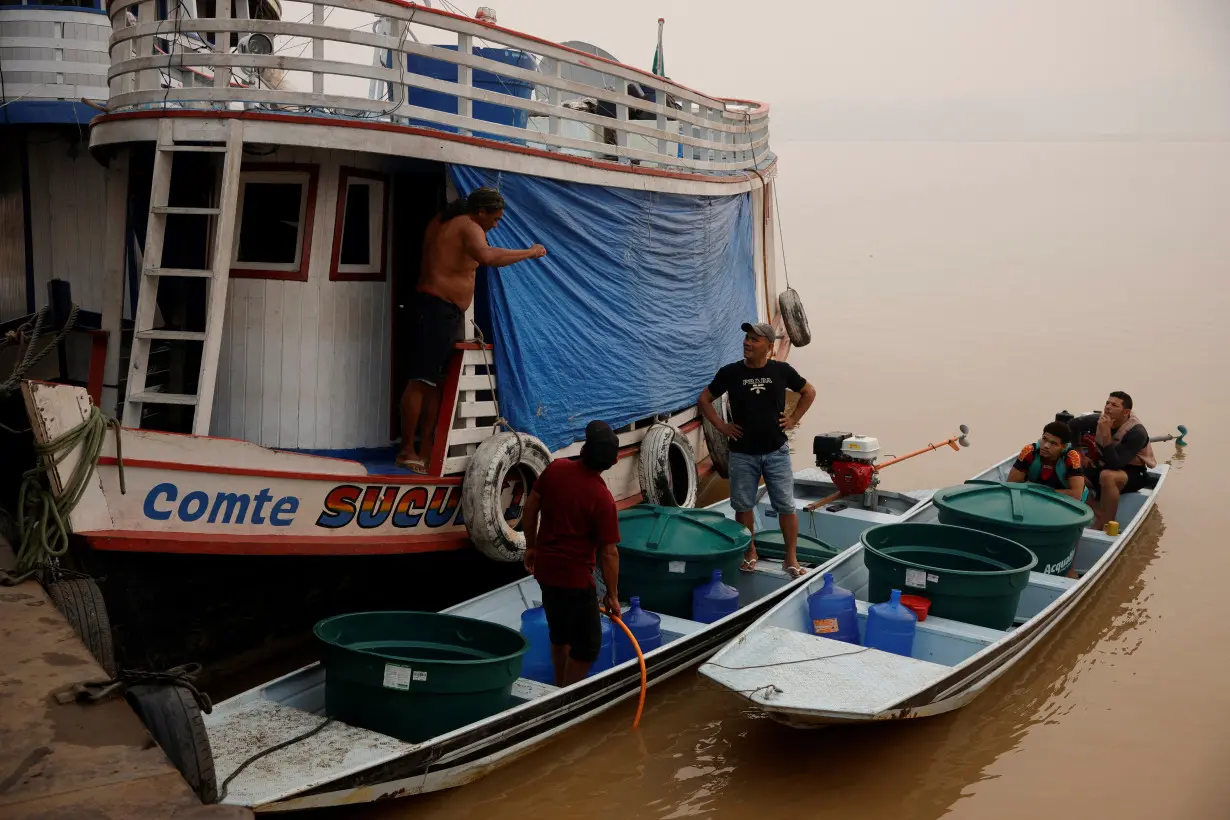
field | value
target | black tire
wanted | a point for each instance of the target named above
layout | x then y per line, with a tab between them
794	317
717	443
81	602
667	469
173	718
481	493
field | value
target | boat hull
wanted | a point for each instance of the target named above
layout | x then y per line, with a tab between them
972	677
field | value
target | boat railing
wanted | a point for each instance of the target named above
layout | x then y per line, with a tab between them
54	51
323	65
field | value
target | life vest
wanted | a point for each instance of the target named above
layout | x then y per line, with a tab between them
1144	458
1034	474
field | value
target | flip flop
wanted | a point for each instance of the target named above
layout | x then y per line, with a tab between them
416	465
795	572
748	565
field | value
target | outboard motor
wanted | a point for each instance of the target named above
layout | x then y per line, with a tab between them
849	460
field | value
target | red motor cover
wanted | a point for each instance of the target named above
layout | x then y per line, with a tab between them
852	477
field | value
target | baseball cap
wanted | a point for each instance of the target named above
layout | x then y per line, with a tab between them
760	329
601	448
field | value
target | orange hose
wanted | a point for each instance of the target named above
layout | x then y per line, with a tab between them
640	706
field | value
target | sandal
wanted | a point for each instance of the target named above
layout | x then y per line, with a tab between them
414	465
795	572
748	565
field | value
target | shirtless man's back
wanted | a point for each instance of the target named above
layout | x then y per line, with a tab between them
454	245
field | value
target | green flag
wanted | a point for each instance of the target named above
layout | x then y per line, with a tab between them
659	59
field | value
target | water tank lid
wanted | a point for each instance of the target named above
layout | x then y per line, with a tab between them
680	533
1004	504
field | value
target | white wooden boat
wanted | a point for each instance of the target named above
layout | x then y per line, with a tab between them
803	680
345	764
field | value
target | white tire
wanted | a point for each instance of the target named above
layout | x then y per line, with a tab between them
667	468
482	503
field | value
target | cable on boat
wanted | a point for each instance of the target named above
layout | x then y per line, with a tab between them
264	752
640	658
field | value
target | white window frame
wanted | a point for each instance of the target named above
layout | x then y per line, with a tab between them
376	217
304	178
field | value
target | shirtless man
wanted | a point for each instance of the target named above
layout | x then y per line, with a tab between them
454	245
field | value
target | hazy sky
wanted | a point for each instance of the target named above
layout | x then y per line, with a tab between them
920	69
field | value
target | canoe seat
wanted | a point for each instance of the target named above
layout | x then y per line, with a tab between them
526	690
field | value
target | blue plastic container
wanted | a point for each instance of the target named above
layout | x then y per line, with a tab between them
831	612
891	626
714	600
645	626
606	655
536	662
486	80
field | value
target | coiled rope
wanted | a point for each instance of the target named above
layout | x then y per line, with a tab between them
42	517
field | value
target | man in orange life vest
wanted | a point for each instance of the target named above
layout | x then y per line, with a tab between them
1052	462
1118	454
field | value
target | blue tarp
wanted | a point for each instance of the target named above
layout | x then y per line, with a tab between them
636	305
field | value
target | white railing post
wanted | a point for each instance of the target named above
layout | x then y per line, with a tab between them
465	78
621	134
553	98
222	45
146	80
318	48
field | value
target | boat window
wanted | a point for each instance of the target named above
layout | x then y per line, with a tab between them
273	225
359	235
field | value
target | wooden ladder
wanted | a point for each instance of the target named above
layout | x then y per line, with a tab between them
216	275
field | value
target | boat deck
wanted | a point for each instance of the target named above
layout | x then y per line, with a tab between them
74	760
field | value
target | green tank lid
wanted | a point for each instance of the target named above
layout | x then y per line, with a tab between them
1014	505
680	533
772	544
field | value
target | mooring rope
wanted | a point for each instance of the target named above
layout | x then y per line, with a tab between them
32	358
42	517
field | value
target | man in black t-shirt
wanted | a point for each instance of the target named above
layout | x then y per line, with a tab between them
757	432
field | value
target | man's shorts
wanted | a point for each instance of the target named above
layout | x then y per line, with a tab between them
573	621
1135	479
437	325
778	473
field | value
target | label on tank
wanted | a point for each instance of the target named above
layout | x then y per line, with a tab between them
823	625
398	677
916	578
420	676
677	566
932	578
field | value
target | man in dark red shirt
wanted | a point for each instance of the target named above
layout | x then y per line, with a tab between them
578	521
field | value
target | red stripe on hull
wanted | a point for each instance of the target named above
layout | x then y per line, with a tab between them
207	544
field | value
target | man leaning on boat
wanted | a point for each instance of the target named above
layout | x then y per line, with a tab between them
454	245
757	431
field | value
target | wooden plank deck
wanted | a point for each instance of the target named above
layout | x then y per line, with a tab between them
74	760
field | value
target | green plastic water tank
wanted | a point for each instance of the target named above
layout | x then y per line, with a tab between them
417	675
772	544
666	552
968	575
1046	522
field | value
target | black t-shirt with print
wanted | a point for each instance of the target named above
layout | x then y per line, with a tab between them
757	401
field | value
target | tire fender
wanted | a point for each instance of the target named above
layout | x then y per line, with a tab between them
717	442
482	505
667	469
794	317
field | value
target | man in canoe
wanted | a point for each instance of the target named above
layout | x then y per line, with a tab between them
454	245
1117	454
1052	462
569	520
757	433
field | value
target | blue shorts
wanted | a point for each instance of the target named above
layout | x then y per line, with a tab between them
778	473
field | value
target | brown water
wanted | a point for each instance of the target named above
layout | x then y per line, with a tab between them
990	284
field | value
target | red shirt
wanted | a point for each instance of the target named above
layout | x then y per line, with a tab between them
576	519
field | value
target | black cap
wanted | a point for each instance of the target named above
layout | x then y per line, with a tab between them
601	448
